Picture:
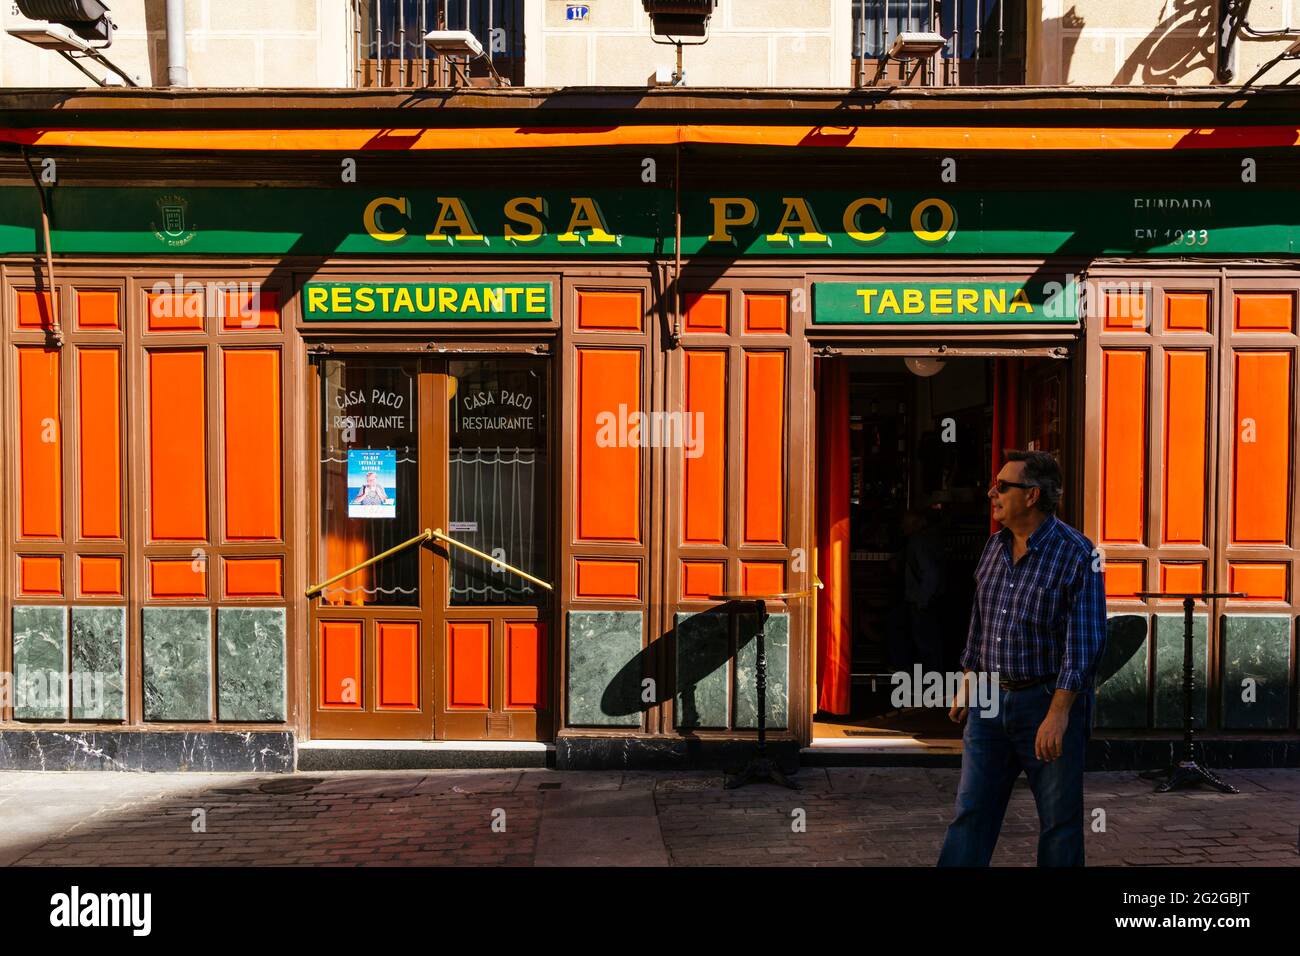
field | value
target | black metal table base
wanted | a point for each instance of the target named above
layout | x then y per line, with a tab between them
1187	773
760	766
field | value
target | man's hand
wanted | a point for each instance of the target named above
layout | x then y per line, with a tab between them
957	712
1049	742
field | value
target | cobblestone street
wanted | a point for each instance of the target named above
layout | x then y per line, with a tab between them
537	817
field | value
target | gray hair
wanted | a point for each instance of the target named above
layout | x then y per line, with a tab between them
1044	473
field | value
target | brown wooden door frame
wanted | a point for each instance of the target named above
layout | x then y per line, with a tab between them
435	720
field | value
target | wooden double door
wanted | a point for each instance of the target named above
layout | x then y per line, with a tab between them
431	641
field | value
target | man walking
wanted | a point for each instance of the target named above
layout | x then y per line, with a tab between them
1039	624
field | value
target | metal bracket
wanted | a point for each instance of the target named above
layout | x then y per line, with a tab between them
1231	19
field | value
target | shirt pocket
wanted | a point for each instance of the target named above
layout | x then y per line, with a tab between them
1044	607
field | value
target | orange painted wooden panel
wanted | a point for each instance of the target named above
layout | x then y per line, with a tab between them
608	579
609	311
178	477
1184	578
1125	312
252	435
175	311
766	313
525	664
340	664
176	579
609	463
1183	475
41	574
703	579
99	433
1187	311
34	310
704	503
764	447
1124	578
99	575
1260	582
253	577
40	474
762	577
1262	447
705	312
399	665
248	311
98	310
468	664
1123	449
1264	312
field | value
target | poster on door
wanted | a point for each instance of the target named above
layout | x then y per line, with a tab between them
372	483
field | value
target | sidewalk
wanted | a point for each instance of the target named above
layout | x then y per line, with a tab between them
540	817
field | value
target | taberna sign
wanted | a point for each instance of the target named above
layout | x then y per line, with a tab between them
945	303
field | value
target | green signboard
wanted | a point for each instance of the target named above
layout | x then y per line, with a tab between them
944	303
638	221
426	301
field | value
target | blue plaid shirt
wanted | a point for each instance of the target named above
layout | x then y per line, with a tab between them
1043	616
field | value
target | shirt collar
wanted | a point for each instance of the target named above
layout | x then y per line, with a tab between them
1040	535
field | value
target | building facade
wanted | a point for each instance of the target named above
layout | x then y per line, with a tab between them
677	367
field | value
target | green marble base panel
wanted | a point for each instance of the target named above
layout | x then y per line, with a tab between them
177	663
250	663
776	643
703	646
98	663
1256	648
40	662
605	669
1169	670
1122	675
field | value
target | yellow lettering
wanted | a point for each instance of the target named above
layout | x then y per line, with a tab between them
492	300
515	213
340	299
452	214
851	219
446	299
995	300
867	295
403	296
1021	300
365	299
913	302
317	298
424	299
797	213
586	215
947	218
888	300
514	291
941	301
968	297
471	296
722	222
535	299
385	296
371	217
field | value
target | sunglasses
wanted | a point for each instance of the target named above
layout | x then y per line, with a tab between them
1002	485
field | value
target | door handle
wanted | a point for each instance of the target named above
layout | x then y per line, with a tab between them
437	533
420	538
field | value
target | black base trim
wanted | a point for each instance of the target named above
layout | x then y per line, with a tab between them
667	753
369	758
147	750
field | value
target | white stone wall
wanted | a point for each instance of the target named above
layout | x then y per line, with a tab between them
230	43
773	43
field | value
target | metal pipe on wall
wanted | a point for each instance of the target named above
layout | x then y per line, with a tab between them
178	71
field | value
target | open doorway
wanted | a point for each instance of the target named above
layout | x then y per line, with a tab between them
907	448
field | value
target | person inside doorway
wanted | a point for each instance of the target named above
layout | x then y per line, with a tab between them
918	631
1039	624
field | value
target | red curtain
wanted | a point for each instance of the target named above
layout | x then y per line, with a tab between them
834	624
1006	417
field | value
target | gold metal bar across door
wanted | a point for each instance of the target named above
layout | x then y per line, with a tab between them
437	533
420	538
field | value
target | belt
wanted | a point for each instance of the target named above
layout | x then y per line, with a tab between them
1007	684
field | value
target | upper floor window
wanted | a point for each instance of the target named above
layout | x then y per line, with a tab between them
391	49
986	40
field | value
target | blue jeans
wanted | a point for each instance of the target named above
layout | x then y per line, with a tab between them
994	751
